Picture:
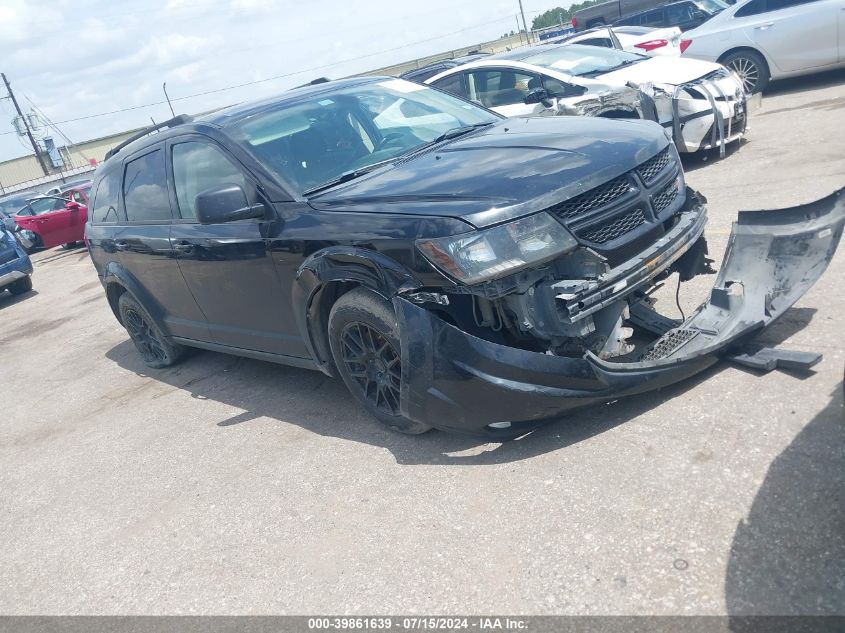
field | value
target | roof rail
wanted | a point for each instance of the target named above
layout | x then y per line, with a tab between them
177	120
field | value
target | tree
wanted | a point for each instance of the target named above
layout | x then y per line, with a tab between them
559	15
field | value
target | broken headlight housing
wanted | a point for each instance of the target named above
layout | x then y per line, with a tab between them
482	255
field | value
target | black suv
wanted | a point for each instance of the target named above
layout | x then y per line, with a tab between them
456	269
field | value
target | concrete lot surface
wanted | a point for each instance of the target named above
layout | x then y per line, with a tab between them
226	485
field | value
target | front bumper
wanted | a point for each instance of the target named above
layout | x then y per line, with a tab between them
455	381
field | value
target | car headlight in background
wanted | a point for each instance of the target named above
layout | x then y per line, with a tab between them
482	255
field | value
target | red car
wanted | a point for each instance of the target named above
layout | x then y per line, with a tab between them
52	220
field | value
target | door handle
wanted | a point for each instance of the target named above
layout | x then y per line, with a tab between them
121	245
183	247
765	26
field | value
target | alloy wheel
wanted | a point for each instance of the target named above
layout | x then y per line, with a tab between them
144	336
373	363
748	72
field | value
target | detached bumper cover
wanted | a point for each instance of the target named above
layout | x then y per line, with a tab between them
455	381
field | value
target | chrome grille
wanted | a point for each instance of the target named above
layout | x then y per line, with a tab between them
613	228
592	199
651	168
664	199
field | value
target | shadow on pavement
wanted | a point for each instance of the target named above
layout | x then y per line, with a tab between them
825	79
7	299
322	405
788	557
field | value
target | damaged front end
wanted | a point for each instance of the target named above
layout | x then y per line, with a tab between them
498	357
706	113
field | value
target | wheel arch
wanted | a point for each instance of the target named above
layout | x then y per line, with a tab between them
751	49
118	281
330	273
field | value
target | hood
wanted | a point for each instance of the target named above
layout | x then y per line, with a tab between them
511	168
662	70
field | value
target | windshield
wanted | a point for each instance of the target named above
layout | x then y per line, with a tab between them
576	59
312	142
9	206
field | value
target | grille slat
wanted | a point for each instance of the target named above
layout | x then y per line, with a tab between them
592	199
652	167
664	199
670	343
614	227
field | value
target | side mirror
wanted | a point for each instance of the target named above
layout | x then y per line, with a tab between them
72	205
537	95
226	203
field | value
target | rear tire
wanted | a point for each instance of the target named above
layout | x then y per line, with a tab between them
155	349
752	69
364	339
20	286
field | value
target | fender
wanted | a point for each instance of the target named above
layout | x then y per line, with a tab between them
116	273
349	264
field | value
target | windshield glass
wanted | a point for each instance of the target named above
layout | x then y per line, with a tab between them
9	206
312	142
712	6
576	59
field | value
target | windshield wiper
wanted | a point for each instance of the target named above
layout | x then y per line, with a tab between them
458	131
345	177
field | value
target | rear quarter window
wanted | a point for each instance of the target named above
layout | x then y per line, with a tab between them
106	199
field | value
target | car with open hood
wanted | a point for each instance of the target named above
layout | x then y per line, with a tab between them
456	269
702	104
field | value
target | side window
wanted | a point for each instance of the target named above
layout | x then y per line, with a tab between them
678	13
653	18
494	88
558	88
78	197
198	167
145	189
774	5
752	8
105	204
452	84
597	41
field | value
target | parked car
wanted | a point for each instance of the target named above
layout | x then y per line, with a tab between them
49	221
74	184
642	40
609	12
763	40
702	105
14	202
15	265
686	14
483	280
423	73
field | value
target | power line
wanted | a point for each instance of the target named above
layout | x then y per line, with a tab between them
274	77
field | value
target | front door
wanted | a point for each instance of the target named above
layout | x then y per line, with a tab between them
228	266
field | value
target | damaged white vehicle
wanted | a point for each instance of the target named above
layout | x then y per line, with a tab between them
702	105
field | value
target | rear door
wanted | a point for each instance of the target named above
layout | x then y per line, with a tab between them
142	239
229	267
50	220
794	34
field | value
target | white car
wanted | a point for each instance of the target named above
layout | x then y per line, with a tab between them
634	39
771	39
701	104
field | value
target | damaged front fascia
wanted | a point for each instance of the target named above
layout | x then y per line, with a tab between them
610	99
454	380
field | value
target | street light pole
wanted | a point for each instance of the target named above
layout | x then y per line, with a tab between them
26	126
524	23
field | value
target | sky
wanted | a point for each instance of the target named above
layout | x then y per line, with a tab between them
81	58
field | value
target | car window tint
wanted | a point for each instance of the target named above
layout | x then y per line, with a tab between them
452	84
679	13
752	8
597	41
653	17
503	87
145	189
106	198
45	205
198	167
558	88
775	5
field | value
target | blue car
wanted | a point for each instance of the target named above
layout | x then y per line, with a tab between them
15	265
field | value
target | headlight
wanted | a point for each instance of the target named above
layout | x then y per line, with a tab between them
502	250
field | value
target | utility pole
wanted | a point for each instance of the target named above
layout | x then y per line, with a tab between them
25	125
524	23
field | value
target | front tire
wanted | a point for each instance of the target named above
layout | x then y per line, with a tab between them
364	339
751	68
21	286
155	349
